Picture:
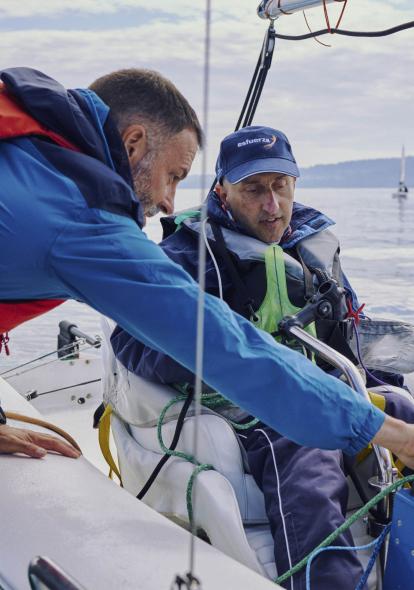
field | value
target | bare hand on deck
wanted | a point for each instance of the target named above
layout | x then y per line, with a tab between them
31	443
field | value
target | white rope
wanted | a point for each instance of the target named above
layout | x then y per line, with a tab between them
213	258
201	277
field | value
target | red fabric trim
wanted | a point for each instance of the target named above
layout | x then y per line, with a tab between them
15	122
14	313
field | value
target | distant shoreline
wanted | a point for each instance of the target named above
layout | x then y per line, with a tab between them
378	173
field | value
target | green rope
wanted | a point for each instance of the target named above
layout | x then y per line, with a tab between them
190	485
210	400
165	449
349	522
199	466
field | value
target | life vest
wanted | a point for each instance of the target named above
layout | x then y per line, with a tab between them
16	122
271	283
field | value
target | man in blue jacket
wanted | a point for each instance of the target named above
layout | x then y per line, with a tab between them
263	249
71	227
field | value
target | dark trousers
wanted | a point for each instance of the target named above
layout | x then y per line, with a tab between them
306	497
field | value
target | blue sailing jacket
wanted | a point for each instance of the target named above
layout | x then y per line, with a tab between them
69	228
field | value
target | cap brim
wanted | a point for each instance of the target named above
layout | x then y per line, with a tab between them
278	165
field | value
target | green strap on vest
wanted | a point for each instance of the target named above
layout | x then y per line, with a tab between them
179	219
276	304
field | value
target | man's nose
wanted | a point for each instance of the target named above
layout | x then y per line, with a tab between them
271	204
166	204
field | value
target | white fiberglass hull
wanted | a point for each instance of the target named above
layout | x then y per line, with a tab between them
97	532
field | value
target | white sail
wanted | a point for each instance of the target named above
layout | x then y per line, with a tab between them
402	191
402	168
274	8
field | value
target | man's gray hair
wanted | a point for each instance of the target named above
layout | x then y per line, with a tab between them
147	95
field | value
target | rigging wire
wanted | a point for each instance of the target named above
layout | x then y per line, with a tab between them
191	581
62	358
64	388
336	31
80	342
201	277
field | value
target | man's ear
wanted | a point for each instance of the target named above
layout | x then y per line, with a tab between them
136	143
221	193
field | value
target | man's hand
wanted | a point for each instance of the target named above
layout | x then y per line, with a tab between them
34	444
398	437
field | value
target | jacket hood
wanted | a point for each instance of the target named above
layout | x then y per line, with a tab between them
79	116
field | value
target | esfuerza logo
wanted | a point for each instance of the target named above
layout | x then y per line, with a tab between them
271	144
267	141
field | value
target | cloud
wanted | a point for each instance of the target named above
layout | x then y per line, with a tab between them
350	101
51	8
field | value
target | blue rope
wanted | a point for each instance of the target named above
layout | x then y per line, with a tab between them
371	563
377	543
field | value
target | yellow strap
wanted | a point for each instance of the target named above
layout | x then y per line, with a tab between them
104	430
379	401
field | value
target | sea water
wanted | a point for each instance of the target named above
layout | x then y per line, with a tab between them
376	233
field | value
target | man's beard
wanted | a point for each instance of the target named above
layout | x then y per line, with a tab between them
141	176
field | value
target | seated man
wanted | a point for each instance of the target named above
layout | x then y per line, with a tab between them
267	255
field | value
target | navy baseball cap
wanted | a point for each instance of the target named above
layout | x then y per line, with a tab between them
253	150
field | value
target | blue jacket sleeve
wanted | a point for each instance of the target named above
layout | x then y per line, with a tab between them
104	260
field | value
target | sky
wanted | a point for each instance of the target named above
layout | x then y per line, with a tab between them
353	100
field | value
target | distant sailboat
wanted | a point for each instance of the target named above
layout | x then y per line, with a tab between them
402	191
